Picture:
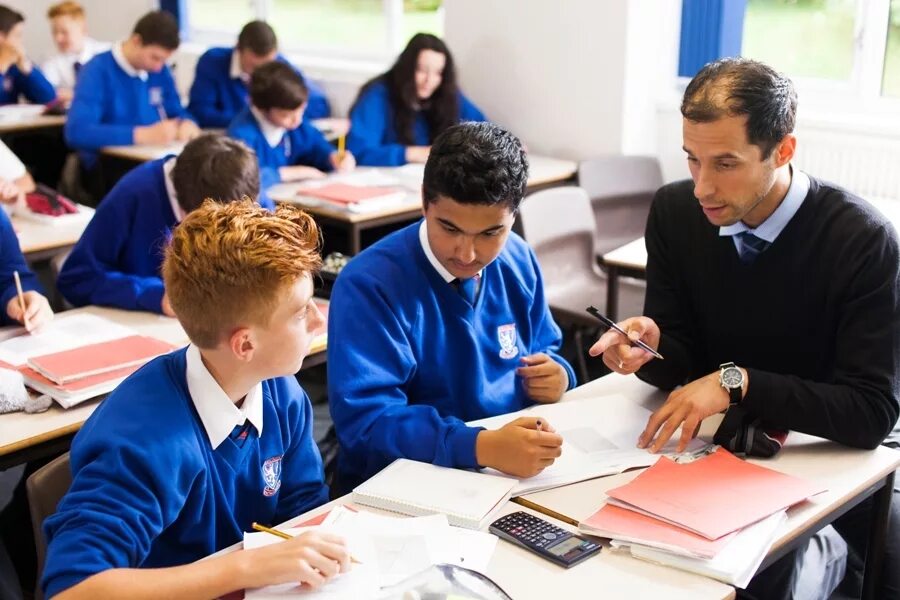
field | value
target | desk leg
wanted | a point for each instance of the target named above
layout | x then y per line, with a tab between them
355	239
612	292
881	513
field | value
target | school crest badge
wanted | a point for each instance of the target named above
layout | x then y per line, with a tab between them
156	96
271	471
506	334
7	84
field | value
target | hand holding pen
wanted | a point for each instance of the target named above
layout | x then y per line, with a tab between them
628	345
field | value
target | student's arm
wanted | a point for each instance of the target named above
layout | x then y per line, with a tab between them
303	486
468	111
171	99
84	128
92	274
204	98
33	85
370	362
11	259
317	106
369	122
311	148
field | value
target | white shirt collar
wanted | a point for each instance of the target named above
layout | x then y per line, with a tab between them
235	71
271	132
217	412
423	239
772	227
170	190
123	63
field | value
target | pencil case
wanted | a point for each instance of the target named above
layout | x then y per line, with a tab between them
47	201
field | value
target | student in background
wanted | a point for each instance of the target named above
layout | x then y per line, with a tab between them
398	115
18	75
787	281
15	180
445	321
275	127
75	48
118	259
189	451
127	95
220	87
37	309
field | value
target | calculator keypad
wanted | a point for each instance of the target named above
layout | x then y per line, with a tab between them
530	529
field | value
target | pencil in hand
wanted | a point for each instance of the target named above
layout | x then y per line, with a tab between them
342	148
21	296
287	536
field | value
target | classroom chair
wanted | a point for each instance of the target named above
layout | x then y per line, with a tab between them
621	189
559	225
45	488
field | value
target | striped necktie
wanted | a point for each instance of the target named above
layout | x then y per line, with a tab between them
750	247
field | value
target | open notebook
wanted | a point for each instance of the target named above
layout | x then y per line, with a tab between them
467	498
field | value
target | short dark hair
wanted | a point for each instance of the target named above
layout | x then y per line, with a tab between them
158	28
258	37
215	166
476	163
277	85
9	18
732	87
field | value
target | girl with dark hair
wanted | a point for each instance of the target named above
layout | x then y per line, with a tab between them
398	114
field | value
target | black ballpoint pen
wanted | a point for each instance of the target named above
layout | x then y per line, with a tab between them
612	325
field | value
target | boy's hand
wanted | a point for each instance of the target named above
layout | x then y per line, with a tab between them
348	163
162	132
37	310
311	558
187	130
417	154
519	447
296	172
545	380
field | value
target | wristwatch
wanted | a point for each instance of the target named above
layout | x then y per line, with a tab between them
732	379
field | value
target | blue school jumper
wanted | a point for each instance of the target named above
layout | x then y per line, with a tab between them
118	259
109	103
373	138
304	145
149	490
409	359
33	86
11	260
216	98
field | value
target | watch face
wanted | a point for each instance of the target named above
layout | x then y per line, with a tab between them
732	377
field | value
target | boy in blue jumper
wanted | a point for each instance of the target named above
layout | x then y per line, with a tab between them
127	96
18	75
189	451
219	91
287	145
117	262
445	321
37	308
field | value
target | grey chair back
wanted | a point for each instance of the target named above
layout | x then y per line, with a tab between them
45	488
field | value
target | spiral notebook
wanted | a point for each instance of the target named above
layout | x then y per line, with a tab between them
468	499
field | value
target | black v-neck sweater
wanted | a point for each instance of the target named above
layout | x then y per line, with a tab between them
815	319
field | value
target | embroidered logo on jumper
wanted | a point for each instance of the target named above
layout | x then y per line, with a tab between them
156	96
507	336
271	471
7	84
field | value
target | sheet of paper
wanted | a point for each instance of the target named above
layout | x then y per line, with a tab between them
62	333
599	438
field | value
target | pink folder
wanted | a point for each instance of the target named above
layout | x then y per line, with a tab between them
714	495
342	193
96	359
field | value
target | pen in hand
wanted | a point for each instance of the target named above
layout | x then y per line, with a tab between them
287	536
612	325
21	296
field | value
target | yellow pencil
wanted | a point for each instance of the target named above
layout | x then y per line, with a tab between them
21	295
287	536
342	143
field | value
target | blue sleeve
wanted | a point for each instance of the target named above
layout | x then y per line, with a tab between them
468	111
264	200
303	486
11	259
370	363
204	104
311	147
547	335
92	273
84	128
122	497
317	106
171	99
35	86
253	138
369	121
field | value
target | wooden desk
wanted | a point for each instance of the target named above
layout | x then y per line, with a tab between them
629	260
42	241
24	437
851	476
544	172
141	154
31	123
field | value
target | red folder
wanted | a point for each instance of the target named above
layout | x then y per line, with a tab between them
342	193
714	495
97	359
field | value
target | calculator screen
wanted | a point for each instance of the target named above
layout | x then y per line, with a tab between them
565	546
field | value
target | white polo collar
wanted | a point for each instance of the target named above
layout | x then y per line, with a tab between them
170	190
235	71
217	412
123	63
271	132
423	239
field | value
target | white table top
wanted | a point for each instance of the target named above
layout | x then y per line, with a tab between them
29	123
38	236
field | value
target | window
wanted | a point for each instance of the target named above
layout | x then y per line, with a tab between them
891	75
346	28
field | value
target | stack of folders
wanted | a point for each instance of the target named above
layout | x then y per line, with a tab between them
716	516
352	198
467	498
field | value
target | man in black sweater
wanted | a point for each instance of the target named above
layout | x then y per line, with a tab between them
768	289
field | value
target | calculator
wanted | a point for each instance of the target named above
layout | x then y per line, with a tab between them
544	539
